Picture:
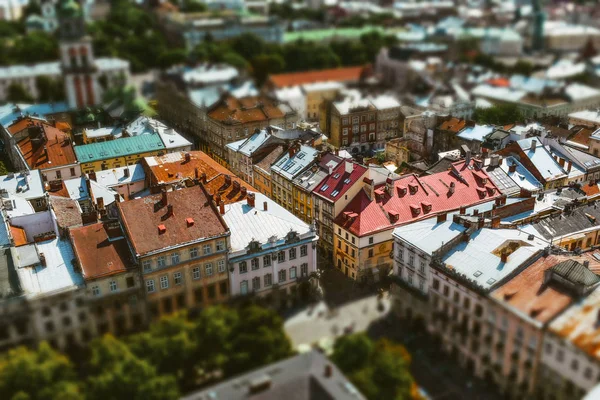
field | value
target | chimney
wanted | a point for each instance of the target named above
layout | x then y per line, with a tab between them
586	264
126	172
203	178
222	208
533	145
243	191
442	218
512	168
117	198
100	203
452	188
292	150
467	155
227	180
462	210
569	165
196	173
349	167
480	222
476	212
524	193
494	160
328	371
330	169
92	175
504	256
218	198
495	222
189	222
169	210
188	157
265	206
250	199
43	259
164	198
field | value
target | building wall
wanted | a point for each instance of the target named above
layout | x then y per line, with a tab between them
203	280
314	98
262	181
127	190
63	172
117	162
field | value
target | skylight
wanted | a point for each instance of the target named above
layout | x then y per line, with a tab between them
347	181
324	188
335	193
336	176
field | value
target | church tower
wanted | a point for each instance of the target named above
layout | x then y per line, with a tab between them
77	57
539	17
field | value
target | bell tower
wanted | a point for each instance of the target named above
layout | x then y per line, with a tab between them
76	56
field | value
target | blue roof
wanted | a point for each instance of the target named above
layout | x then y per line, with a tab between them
477	132
118	148
9	112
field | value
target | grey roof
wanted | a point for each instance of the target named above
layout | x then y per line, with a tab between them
9	281
576	273
298	378
568	223
440	166
503	182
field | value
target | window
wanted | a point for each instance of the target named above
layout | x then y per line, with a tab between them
268	280
549	348
281	275
113	286
244	287
256	283
220	245
96	290
267	261
411	259
207	249
130	282
422	267
243	267
164	282
304	250
446	290
574	365
293	253
421	284
194	252
370	253
254	264
150	286
588	373
371	240
345	131
174	258
436	284
208	269
161	261
196	273
72	171
177	278
410	279
304	269
58	175
293	273
221	266
281	256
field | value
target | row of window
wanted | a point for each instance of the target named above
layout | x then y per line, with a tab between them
356	120
113	286
446	292
560	357
255	262
161	261
178	276
268	278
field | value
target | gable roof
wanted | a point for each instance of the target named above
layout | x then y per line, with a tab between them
233	110
411	198
142	217
118	148
47	148
348	74
343	176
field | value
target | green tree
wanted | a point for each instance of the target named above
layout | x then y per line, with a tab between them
170	346
172	57
265	64
16	93
522	67
379	371
501	114
116	373
49	90
257	339
37	374
34	47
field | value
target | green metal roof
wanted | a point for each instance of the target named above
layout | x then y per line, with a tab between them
328	34
118	148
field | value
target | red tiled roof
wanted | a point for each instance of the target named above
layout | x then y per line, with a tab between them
246	109
590	189
142	217
527	293
582	136
98	255
501	82
55	151
339	180
374	215
229	188
265	163
453	124
349	74
23	124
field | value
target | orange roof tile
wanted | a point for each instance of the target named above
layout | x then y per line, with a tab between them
501	82
453	125
19	235
98	254
527	292
349	74
582	136
48	148
229	189
590	189
244	110
22	124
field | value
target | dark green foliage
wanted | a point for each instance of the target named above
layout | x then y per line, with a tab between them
50	90
379	370
16	93
502	114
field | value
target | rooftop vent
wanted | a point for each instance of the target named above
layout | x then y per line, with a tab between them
161	229
260	384
189	222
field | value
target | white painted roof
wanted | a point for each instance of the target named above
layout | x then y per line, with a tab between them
145	125
320	86
53	68
429	235
289	167
498	93
116	176
475	258
248	146
115	131
253	223
542	160
210	74
577	91
522	177
59	272
19	190
384	101
564	69
587	115
476	133
78	190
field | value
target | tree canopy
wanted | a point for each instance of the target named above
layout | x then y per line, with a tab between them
502	114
